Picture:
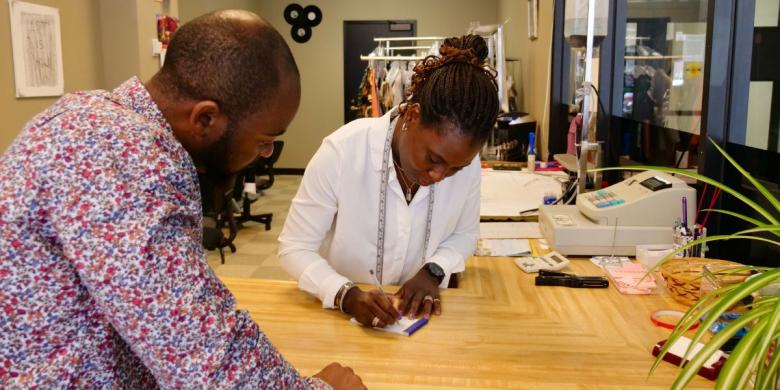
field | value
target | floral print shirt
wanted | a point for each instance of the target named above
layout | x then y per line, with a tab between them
103	279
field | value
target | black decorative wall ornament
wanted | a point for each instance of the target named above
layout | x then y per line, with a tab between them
302	20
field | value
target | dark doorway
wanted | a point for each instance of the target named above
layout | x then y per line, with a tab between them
359	40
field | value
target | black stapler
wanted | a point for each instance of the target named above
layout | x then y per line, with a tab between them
550	278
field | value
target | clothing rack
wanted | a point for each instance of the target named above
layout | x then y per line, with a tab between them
407	48
497	55
391	58
401	39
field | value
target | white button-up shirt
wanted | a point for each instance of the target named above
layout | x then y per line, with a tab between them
330	235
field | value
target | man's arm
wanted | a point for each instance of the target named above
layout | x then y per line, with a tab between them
133	233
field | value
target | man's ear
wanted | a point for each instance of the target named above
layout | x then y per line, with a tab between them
207	120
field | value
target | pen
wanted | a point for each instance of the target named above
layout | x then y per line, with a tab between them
685	211
416	326
379	286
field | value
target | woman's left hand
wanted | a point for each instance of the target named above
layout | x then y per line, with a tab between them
419	296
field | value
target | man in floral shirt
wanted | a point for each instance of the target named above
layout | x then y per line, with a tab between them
103	280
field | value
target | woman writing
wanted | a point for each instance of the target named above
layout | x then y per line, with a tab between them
395	200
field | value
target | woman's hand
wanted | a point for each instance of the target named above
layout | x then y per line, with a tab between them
420	296
372	308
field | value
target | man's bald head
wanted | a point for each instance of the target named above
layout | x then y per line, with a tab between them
232	57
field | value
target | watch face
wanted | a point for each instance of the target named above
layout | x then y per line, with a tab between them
435	270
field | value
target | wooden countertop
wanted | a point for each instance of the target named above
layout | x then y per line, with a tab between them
497	330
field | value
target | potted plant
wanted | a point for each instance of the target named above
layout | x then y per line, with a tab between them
754	356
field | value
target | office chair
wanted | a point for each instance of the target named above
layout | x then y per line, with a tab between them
263	166
218	210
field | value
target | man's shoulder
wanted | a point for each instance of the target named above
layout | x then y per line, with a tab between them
92	126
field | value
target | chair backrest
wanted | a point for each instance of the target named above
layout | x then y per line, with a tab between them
217	211
265	164
260	167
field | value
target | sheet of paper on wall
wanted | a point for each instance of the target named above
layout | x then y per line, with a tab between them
503	247
509	230
403	327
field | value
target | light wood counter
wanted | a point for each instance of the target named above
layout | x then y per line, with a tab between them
497	330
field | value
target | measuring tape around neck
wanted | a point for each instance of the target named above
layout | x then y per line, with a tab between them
380	240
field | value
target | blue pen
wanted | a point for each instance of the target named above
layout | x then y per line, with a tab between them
416	326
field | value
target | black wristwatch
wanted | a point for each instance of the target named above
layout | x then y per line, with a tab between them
435	270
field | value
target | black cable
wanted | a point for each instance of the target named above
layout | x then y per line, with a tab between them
598	98
679	160
565	195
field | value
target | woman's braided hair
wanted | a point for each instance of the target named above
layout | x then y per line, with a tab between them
457	87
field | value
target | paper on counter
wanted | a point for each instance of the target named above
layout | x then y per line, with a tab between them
512	193
603	261
631	278
509	230
503	247
403	327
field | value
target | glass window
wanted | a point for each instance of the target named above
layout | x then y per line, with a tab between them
762	125
663	79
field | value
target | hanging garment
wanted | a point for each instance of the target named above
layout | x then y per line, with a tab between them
373	94
361	104
571	137
387	95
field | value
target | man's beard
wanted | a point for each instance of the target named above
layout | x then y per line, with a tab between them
216	160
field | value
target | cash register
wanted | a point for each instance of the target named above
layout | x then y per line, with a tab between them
642	209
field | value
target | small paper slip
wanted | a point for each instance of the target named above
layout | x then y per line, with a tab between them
489	247
493	230
403	327
631	278
602	261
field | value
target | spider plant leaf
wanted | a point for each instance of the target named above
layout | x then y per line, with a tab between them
737	369
730	299
760	187
696	361
768	228
738	215
745	218
766	341
771	370
687	321
709	239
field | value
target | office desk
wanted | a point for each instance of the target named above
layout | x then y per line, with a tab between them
498	330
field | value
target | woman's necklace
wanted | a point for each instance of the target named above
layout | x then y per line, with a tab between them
408	186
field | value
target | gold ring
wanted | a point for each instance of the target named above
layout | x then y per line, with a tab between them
428	298
375	321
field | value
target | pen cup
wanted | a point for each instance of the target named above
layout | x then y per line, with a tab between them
684	235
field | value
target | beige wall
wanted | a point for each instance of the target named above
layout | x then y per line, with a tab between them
321	59
119	38
81	57
533	68
104	42
190	9
127	31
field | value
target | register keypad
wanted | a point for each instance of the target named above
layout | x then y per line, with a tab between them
604	198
